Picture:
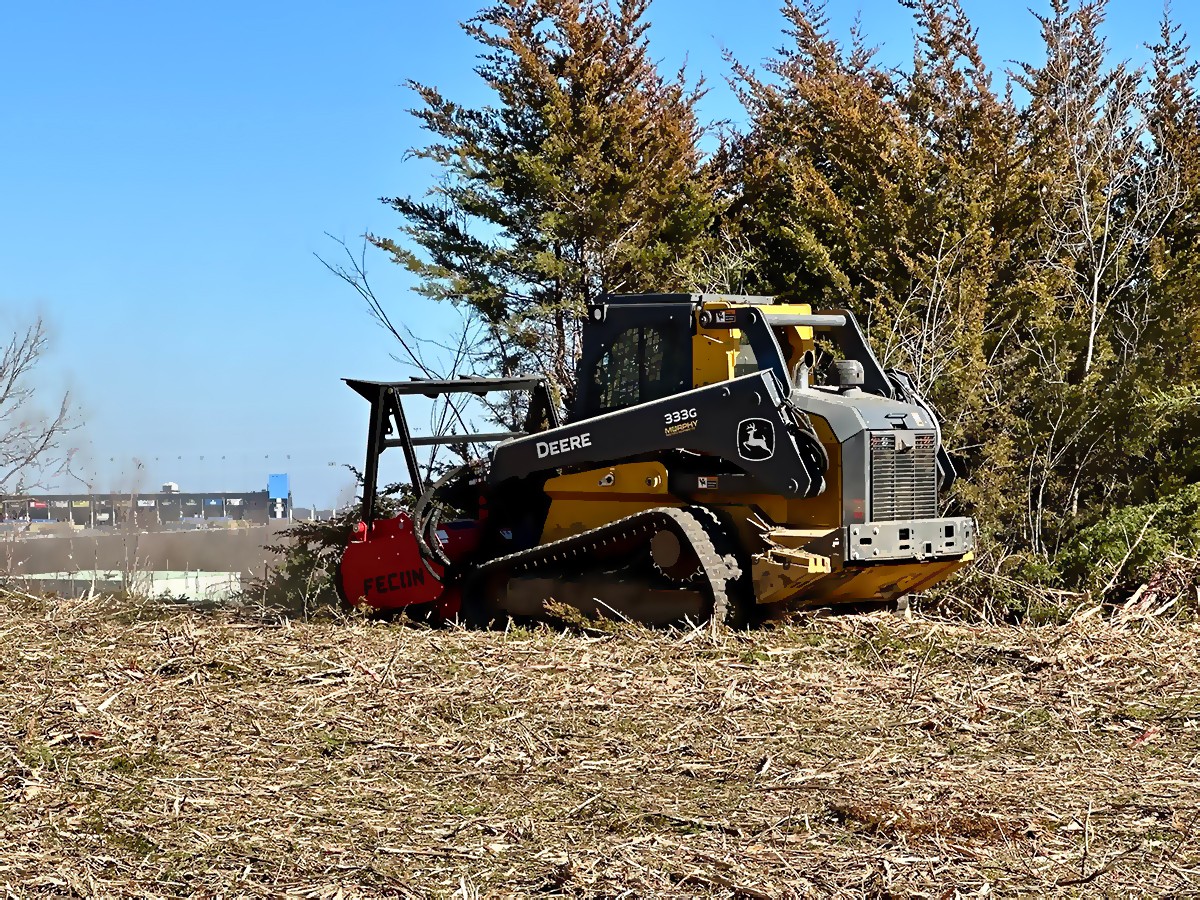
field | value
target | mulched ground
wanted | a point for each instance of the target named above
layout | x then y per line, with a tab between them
148	751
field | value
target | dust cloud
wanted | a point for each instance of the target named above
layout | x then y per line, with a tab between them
241	550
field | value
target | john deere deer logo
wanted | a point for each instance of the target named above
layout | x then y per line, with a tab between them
756	439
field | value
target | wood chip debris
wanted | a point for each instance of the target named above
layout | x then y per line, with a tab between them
166	752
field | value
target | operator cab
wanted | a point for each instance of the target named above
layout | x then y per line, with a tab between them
643	347
636	348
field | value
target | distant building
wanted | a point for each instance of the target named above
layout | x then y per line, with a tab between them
148	510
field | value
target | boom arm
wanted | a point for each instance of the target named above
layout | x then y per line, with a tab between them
746	421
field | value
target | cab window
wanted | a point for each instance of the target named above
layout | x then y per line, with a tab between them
637	367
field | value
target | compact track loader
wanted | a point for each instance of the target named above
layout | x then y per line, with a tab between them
722	454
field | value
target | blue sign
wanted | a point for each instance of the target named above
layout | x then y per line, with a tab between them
278	488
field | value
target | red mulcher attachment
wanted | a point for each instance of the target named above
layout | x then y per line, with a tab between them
383	566
387	572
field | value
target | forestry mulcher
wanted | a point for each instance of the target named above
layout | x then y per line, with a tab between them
722	454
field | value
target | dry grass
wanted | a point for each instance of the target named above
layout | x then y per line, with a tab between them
155	752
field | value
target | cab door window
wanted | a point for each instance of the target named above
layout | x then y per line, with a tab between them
639	366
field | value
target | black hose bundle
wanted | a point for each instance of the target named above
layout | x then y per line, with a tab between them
426	517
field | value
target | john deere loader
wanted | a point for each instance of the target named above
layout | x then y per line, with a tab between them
721	454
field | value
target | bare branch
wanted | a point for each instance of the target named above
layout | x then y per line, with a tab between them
29	438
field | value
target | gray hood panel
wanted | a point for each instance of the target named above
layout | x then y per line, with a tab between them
851	412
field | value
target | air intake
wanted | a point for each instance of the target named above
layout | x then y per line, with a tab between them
903	476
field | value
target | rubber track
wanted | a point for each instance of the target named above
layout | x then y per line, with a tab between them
593	545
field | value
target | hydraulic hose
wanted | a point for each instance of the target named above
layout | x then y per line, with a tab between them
425	519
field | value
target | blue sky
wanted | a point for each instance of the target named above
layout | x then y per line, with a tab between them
168	171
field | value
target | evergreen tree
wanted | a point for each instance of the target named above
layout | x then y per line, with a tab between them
583	178
1032	267
885	193
1105	199
1172	376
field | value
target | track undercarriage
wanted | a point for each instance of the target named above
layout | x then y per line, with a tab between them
658	566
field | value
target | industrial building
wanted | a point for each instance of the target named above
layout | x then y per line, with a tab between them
148	511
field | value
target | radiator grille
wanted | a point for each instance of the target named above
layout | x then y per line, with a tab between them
903	482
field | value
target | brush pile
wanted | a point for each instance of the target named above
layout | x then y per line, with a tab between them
151	751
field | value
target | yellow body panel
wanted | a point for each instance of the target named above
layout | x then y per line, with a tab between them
825	509
881	582
715	351
781	574
821	512
585	500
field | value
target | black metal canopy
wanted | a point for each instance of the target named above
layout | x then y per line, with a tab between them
388	425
